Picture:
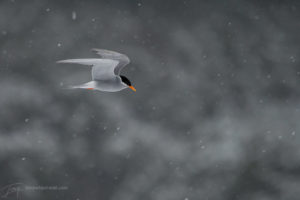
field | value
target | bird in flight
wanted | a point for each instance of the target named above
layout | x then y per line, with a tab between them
105	71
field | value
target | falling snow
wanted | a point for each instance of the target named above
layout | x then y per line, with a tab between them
74	15
293	133
218	103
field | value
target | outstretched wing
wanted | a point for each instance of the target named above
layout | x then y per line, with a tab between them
121	58
103	69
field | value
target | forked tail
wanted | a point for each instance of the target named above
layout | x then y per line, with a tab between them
89	86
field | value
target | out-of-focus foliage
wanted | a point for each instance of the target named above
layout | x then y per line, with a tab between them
215	115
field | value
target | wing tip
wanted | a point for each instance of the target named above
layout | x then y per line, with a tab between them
96	50
63	61
68	61
100	51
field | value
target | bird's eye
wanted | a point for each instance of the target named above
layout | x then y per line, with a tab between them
125	80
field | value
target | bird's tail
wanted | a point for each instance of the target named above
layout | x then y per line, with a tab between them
70	87
89	86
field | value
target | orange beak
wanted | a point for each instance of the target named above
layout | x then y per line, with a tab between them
131	87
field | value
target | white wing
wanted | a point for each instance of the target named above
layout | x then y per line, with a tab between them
121	58
103	69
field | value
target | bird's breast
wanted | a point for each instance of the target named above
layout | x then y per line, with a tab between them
109	85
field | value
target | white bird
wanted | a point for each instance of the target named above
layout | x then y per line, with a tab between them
105	71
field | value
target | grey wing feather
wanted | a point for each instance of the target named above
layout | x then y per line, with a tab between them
121	58
103	69
84	61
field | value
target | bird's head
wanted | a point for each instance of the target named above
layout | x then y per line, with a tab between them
127	82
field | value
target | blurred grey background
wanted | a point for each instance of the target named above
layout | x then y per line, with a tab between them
215	116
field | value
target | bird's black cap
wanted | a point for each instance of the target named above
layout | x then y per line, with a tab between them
125	80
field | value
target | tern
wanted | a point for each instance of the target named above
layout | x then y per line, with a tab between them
105	71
